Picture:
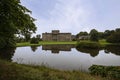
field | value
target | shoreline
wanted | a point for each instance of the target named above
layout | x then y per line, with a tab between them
44	43
102	43
28	72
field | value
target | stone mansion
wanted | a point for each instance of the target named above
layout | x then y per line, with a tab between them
55	35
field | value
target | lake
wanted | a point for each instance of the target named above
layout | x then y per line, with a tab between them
66	57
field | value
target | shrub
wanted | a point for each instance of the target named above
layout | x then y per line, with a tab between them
106	71
34	41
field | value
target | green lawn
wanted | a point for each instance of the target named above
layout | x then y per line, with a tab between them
102	43
13	71
44	43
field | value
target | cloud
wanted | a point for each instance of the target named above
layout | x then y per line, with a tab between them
67	16
74	15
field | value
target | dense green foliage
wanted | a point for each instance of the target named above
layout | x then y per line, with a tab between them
114	37
7	54
34	40
14	19
101	35
81	34
113	73
27	36
111	36
94	35
107	33
38	36
19	39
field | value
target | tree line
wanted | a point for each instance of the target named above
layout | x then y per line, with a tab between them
15	20
112	36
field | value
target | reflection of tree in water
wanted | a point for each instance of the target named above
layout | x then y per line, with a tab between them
7	53
113	49
92	52
34	48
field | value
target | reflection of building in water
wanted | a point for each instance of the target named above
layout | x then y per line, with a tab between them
57	48
56	36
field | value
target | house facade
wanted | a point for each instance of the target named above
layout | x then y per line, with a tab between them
87	37
55	35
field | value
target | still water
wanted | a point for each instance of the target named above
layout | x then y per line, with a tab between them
66	57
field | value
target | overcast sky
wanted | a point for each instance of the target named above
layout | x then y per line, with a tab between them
74	15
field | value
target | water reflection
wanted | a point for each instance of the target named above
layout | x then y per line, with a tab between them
34	48
57	48
7	53
113	49
69	57
92	52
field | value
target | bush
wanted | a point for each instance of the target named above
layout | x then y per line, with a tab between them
34	41
106	71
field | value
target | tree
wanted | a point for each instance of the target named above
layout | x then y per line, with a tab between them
101	35
38	37
27	36
117	30
34	40
81	34
114	38
94	35
14	19
107	33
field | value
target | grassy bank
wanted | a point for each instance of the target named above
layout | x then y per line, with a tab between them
44	43
102	43
92	45
13	71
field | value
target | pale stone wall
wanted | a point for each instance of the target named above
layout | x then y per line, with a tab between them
64	37
46	37
56	36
